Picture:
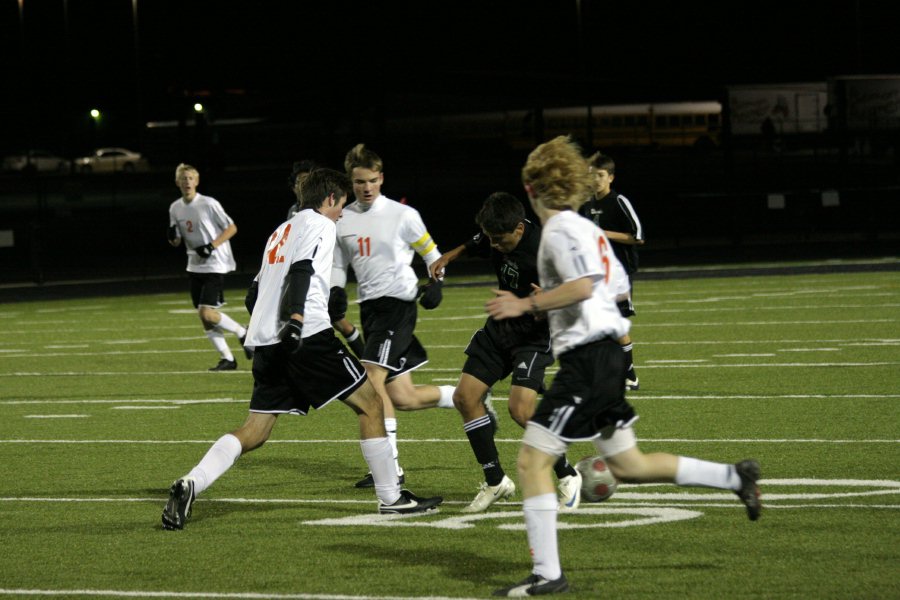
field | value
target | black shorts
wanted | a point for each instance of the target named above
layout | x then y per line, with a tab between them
207	289
494	352
587	394
321	371
388	325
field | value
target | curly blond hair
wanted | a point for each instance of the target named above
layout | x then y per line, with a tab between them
558	175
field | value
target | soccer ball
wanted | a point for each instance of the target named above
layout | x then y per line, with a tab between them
597	482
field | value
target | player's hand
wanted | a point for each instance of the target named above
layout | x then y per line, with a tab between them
205	251
292	336
506	305
438	267
431	294
337	304
172	233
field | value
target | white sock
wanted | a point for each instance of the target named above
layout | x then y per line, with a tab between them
540	522
378	455
390	426
217	460
446	400
219	343
702	473
229	324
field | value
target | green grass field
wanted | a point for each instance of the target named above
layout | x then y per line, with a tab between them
104	401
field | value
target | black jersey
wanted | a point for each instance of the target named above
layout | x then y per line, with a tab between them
515	272
613	212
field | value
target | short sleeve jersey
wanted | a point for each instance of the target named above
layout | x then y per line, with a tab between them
199	222
306	236
571	248
379	243
517	270
614	212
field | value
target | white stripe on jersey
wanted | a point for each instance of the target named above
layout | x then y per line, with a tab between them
625	203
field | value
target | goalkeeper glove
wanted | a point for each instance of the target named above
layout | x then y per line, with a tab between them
205	251
292	336
431	295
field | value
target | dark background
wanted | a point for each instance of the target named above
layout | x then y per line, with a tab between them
322	76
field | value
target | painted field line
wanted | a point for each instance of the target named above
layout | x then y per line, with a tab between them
235	595
133	401
463	441
638	395
56	416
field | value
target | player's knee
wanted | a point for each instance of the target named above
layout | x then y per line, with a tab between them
465	403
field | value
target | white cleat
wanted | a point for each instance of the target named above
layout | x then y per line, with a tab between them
570	492
488	494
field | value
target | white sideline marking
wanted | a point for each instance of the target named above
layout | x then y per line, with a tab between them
441	370
133	400
761	355
146	407
808	350
239	595
466	441
643	396
55	416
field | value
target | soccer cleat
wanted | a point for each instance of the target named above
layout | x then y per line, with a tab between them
632	384
488	494
409	503
225	365
248	352
570	492
368	481
748	470
535	585
492	414
178	507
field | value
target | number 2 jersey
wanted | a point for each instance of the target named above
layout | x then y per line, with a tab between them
572	247
308	235
379	243
199	222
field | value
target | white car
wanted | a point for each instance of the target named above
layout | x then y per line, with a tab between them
36	161
108	160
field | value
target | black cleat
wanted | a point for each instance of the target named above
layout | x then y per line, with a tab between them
248	352
535	585
409	503
225	365
748	470
368	481
178	508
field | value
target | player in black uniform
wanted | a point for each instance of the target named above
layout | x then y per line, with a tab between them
520	347
613	213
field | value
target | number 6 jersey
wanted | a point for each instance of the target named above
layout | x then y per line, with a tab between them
571	248
308	235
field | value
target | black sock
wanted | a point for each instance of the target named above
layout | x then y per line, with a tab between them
481	438
562	468
629	361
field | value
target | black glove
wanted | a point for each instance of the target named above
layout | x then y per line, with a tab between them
292	336
431	295
337	304
205	251
250	298
172	233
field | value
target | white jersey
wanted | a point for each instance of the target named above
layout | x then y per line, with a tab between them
199	222
379	243
308	235
573	247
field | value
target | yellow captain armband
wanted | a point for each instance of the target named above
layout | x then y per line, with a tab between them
424	244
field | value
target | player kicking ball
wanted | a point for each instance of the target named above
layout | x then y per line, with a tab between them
298	362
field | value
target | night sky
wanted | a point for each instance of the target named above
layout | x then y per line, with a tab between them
280	59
